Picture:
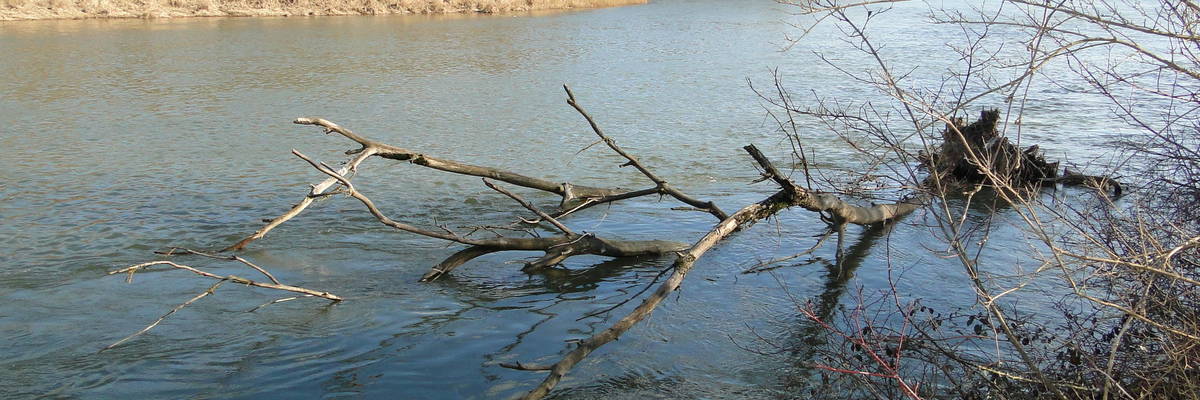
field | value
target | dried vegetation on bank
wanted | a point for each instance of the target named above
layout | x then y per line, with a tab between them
76	9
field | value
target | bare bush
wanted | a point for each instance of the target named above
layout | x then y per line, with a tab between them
1129	327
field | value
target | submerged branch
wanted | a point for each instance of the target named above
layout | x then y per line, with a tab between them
202	295
131	270
790	195
573	197
317	189
833	210
177	250
530	207
232	278
557	248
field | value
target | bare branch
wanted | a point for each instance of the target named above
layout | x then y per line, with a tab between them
235	279
684	262
530	207
660	183
177	250
401	154
317	190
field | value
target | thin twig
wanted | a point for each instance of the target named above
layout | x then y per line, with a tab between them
203	294
530	207
214	256
235	279
660	183
277	301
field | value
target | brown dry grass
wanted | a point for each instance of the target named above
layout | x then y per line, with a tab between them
74	9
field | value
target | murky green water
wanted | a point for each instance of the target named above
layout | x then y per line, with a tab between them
124	137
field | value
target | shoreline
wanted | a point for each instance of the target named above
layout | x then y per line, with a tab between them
29	10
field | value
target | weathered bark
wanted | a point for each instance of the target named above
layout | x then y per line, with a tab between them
574	197
973	153
557	247
529	206
459	258
397	153
235	279
834	210
790	195
316	191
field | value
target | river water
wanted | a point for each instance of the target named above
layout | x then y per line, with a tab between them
123	137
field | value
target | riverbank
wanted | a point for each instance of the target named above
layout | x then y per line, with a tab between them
79	9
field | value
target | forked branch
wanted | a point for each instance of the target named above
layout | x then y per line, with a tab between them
790	195
573	197
660	184
557	248
221	279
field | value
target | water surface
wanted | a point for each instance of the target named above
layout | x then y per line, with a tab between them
123	137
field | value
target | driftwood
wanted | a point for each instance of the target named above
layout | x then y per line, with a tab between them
965	149
976	153
790	195
557	248
574	197
836	212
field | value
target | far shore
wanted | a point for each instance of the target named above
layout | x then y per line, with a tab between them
83	9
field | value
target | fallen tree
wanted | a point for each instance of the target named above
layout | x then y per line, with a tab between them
966	148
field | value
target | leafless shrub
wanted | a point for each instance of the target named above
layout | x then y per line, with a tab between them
1127	268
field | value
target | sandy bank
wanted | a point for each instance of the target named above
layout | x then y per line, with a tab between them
74	9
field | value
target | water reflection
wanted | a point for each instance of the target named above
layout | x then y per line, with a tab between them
804	341
123	137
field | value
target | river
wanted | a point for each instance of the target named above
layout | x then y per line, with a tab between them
121	137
